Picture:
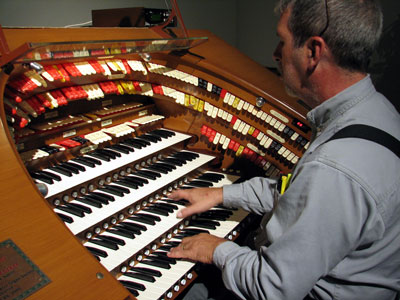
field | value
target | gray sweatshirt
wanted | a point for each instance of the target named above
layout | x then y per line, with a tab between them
335	232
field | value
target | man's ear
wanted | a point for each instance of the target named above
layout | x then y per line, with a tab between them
315	48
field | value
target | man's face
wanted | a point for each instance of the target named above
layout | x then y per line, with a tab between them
289	58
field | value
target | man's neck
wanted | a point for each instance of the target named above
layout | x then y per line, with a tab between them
333	81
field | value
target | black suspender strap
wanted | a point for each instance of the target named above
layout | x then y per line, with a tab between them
371	134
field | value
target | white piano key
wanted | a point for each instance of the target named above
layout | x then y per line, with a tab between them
122	202
91	173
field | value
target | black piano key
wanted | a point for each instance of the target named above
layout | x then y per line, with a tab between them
97	252
173	243
148	216
51	175
118	241
143	142
148	271
121	232
159	133
158	206
123	227
105	243
111	190
127	183
178	155
138	143
95	198
195	230
183	155
133	291
103	196
152	173
71	210
85	162
61	170
156	263
176	162
140	276
186	187
166	206
65	218
200	183
156	211
159	136
91	202
163	132
212	175
76	166
90	159
169	205
181	236
188	155
166	165
134	143
138	180
220	211
163	257
184	234
99	156
213	217
133	285
158	169
120	148
142	220
69	168
207	221
166	247
209	177
42	177
84	208
180	202
147	174
113	154
150	138
119	188
135	225
201	224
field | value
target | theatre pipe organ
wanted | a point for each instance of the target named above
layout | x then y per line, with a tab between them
71	94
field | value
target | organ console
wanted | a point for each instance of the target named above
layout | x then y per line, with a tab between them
108	121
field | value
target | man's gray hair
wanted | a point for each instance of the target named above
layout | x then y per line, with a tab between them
351	28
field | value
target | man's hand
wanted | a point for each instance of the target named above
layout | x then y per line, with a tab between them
199	247
201	199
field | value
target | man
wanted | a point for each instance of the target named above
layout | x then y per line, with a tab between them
335	232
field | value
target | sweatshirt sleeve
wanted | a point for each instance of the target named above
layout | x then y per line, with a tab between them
256	195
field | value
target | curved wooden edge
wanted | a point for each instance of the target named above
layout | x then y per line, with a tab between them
27	219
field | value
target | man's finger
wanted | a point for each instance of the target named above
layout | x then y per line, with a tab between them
177	195
186	212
